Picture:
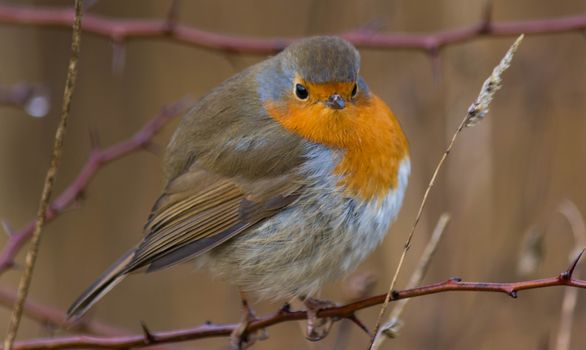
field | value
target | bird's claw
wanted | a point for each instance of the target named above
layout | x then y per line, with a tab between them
317	328
239	338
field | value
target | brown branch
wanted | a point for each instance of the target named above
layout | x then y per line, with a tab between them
57	150
56	318
284	315
120	30
96	160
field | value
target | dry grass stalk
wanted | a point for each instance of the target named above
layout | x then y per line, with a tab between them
31	255
569	210
392	327
477	111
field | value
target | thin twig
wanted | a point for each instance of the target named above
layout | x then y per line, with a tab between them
97	159
56	318
51	316
31	256
339	312
476	112
128	29
120	30
393	325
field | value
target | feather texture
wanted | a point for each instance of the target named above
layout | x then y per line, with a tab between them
275	194
200	210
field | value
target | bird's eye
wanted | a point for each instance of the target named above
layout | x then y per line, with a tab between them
354	90
301	92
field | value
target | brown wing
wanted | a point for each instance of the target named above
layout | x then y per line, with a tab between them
200	210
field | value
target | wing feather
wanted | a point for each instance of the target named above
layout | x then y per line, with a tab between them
200	210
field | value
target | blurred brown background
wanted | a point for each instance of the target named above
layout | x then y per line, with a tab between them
504	176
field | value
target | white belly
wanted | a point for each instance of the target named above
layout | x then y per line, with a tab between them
321	237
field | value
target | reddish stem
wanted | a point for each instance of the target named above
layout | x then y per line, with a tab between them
284	315
54	317
97	159
125	29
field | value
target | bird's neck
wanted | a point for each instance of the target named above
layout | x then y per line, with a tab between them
374	153
372	141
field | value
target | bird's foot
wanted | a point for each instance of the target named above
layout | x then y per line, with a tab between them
241	339
317	328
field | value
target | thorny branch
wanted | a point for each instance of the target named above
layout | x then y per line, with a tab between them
347	311
120	30
96	160
56	318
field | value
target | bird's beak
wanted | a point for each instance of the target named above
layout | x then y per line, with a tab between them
336	102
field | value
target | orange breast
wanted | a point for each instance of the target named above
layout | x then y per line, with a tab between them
366	130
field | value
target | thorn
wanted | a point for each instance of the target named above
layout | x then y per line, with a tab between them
395	295
360	324
513	294
455	279
208	323
567	275
285	309
8	229
244	303
81	196
149	337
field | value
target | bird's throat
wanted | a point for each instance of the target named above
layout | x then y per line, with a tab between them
368	133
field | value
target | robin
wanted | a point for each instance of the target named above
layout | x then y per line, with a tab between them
284	177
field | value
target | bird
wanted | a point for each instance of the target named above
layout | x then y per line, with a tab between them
281	179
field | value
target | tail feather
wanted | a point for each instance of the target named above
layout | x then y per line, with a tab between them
108	280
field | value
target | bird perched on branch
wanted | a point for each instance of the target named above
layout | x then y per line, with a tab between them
282	178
